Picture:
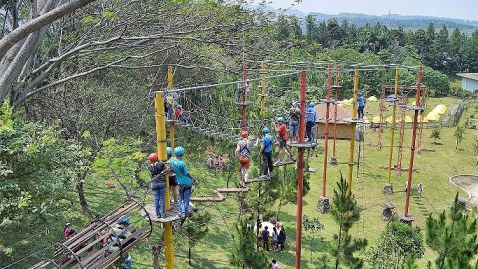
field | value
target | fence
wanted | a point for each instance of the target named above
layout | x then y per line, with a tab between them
458	113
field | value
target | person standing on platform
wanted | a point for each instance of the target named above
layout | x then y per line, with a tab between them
173	184
185	180
361	105
310	118
158	184
294	118
266	151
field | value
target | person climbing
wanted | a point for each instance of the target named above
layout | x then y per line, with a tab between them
420	189
248	89
361	105
127	263
173	184
170	103
184	178
282	137
180	114
243	153
310	118
294	118
158	183
265	238
266	151
68	231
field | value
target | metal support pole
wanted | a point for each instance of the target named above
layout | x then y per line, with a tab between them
335	108
390	155
263	91
326	133
244	85
300	171
161	145
414	136
352	133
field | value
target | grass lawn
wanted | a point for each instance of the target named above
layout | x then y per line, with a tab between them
435	169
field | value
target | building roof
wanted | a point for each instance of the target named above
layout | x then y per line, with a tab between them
473	76
342	113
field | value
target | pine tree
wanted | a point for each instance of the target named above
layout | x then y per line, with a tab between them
244	253
346	213
454	238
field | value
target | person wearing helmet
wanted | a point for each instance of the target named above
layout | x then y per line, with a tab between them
282	137
294	118
248	89
361	105
266	150
158	169
243	153
184	178
310	118
239	92
180	114
173	184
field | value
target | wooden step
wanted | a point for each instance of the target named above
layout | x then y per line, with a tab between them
232	190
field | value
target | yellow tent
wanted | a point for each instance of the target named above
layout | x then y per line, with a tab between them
366	121
372	99
408	119
351	100
389	119
376	119
440	109
425	119
433	116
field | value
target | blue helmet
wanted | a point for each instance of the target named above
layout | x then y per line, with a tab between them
179	106
179	151
280	119
311	104
265	130
169	150
360	93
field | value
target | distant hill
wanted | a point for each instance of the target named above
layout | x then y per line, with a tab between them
407	22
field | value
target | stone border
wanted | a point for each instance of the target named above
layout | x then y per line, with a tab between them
450	179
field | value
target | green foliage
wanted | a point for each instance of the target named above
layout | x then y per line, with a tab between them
118	160
110	15
453	236
345	212
196	228
459	135
399	245
37	169
244	252
436	134
475	145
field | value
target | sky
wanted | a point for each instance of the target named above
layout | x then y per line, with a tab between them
460	9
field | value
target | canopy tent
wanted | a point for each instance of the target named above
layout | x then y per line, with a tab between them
372	99
376	119
440	109
408	119
433	116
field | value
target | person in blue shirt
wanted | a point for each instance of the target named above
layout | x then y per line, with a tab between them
361	105
184	178
266	150
310	118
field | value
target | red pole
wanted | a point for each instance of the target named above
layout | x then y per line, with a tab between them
414	136
326	134
244	111
335	106
300	172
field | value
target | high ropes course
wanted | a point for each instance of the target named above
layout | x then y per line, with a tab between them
212	111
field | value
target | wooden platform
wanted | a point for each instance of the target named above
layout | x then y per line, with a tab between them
232	190
172	215
255	180
246	103
218	198
312	170
303	145
350	120
283	163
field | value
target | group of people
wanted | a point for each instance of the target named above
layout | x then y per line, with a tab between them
180	181
419	188
243	90
277	237
294	120
217	162
174	110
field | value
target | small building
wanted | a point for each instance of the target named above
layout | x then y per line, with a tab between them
469	81
343	127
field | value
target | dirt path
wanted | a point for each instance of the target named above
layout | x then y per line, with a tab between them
468	183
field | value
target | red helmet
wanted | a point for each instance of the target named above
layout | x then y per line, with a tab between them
153	157
245	134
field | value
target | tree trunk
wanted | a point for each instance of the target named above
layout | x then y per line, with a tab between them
155	251
189	254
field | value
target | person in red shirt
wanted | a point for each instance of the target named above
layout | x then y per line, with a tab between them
282	137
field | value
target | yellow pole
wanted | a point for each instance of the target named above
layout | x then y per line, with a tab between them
263	90
389	169
352	133
171	123
161	144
